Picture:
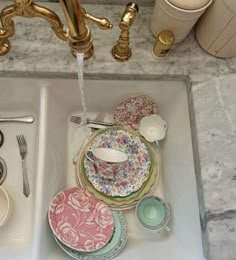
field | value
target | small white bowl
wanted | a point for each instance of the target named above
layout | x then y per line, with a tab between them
153	128
5	207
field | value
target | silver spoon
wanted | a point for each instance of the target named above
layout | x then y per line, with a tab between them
18	119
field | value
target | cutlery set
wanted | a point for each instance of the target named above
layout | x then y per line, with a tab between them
22	148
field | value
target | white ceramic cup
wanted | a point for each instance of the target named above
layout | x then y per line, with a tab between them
107	161
153	128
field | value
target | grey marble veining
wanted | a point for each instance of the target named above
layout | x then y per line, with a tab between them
34	40
215	112
112	2
104	2
35	49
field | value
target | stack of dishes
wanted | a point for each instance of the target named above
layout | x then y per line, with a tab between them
133	182
84	227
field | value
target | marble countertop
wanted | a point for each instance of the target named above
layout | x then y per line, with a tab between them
35	50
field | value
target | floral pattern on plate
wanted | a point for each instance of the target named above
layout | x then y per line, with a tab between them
109	251
133	174
133	109
79	220
122	203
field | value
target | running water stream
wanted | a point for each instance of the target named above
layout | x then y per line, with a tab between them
80	134
80	61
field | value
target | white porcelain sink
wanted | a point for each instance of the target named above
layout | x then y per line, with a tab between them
53	141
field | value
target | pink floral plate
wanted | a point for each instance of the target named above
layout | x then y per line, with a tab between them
133	109
135	172
79	220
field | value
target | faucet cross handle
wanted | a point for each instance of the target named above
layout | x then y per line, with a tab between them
103	23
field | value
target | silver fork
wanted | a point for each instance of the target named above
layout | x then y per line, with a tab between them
78	120
23	151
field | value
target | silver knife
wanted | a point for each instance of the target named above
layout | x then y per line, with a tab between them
98	126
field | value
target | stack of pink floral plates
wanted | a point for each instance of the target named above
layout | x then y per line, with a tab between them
79	221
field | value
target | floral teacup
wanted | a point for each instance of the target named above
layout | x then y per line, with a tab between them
107	161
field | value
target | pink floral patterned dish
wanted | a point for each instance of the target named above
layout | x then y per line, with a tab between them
133	109
79	220
134	173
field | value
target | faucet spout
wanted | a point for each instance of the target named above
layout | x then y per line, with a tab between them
80	39
74	16
78	34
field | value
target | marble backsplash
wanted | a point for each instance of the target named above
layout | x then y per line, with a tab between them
105	2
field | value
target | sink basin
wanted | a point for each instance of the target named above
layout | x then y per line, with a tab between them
53	142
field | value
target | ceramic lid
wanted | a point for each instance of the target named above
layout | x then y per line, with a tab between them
189	5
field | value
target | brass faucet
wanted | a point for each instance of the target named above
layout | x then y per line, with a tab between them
78	34
121	51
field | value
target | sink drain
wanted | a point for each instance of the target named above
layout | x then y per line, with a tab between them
3	170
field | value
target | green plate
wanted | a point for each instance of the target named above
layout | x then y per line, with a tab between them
110	250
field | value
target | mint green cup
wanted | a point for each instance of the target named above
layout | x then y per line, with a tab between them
153	214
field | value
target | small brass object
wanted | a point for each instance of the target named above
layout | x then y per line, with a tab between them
121	51
78	35
163	44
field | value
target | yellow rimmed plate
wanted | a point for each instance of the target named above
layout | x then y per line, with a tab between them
117	202
122	203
